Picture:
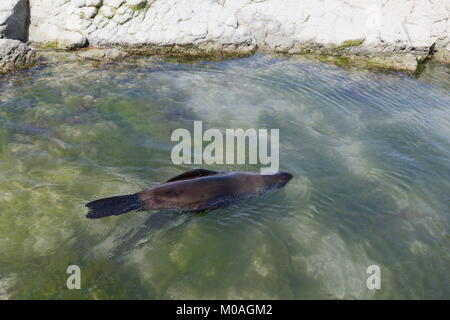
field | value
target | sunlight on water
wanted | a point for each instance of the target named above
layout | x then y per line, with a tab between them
369	152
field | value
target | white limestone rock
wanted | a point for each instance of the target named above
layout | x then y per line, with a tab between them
114	3
123	16
107	12
15	54
78	3
56	37
391	29
136	3
94	3
88	12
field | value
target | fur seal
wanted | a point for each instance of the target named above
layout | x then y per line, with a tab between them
193	191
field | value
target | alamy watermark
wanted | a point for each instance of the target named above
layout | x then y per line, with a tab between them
74	280
374	280
189	149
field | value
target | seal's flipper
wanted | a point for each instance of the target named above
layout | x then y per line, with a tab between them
113	206
192	174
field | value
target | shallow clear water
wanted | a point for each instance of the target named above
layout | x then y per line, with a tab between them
370	153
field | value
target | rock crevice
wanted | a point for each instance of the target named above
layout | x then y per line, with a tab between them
14	19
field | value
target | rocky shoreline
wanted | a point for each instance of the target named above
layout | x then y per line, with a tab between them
14	55
394	34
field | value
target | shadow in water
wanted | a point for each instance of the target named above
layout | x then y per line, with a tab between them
159	223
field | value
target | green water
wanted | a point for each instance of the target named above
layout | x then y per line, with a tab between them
369	152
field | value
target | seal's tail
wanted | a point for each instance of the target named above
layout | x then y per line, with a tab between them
113	206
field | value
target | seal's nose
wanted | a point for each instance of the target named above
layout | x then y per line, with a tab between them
285	176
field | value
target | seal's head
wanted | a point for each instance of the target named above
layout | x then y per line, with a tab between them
278	180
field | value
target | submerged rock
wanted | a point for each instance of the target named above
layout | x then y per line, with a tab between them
7	289
102	55
15	54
